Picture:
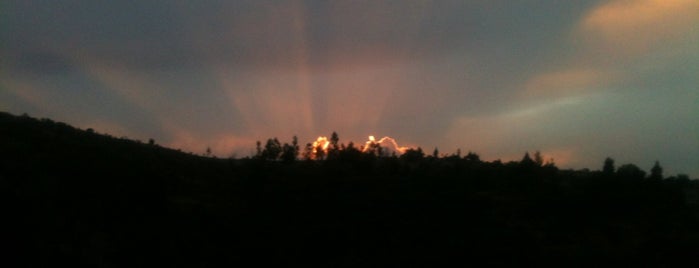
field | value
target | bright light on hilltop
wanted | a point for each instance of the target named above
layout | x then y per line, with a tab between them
396	147
323	143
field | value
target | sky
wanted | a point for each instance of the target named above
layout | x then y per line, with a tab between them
577	80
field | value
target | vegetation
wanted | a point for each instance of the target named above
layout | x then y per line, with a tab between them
82	198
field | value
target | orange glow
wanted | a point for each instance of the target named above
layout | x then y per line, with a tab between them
634	27
321	142
393	142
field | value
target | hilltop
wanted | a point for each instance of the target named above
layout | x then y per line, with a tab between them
80	197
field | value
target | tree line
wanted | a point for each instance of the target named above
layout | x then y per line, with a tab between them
274	151
79	197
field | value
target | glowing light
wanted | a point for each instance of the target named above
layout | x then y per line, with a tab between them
372	140
322	142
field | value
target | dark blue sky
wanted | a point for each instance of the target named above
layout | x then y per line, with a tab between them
578	80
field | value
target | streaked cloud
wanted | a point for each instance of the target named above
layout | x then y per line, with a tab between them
566	83
632	27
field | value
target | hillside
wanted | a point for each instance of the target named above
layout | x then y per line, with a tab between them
74	196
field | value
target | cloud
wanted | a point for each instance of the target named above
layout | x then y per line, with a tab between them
26	92
509	134
616	44
638	126
261	35
566	82
632	27
40	62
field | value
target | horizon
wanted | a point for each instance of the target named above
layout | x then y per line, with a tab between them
393	150
578	81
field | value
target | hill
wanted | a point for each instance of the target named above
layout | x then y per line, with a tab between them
74	196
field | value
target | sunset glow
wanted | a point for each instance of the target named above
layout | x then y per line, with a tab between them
350	133
320	143
392	142
323	143
495	77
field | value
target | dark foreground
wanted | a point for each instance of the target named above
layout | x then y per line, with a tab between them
80	198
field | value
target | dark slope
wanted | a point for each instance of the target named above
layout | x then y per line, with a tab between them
76	197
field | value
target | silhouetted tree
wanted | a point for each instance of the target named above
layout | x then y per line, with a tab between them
630	171
290	152
435	153
472	157
374	149
295	143
656	173
681	179
273	149
334	141
334	148
527	160
538	159
550	163
413	155
258	147
608	168
319	152
308	151
350	154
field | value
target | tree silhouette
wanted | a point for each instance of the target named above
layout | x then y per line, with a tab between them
656	172
334	140
374	149
350	154
608	168
413	155
290	151
527	160
334	148
273	150
258	149
538	159
472	157
319	152
630	171
308	151
295	143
